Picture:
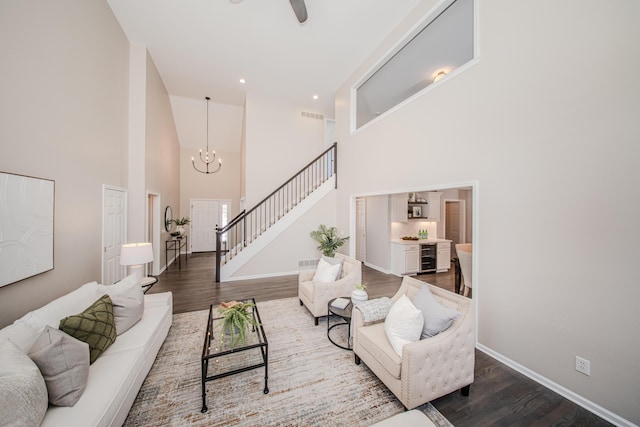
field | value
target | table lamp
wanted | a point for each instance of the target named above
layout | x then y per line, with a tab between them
135	255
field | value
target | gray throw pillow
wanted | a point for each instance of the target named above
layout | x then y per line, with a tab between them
64	364
437	317
23	393
128	302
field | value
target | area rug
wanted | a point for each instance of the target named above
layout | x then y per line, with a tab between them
311	381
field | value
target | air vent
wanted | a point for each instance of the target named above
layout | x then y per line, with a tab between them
312	115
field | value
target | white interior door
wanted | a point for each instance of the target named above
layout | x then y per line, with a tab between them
114	233
205	216
361	229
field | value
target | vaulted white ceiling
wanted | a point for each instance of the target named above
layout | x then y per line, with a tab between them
204	47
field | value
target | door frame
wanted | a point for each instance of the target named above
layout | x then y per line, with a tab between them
106	187
474	186
361	241
156	230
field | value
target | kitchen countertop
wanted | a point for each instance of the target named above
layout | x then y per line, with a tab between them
419	241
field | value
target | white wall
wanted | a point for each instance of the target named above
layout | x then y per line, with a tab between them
162	150
278	143
546	123
64	85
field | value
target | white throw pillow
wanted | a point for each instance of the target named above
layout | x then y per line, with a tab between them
21	334
403	324
51	314
326	272
437	317
23	393
127	299
334	261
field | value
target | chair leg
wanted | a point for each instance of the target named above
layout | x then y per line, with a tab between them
465	390
357	359
300	301
316	320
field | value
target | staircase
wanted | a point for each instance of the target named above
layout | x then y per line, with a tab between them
251	226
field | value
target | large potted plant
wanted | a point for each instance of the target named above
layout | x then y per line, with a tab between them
328	239
236	319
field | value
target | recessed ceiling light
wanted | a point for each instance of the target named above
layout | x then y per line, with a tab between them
315	96
243	81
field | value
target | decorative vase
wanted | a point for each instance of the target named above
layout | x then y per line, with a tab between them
359	295
180	229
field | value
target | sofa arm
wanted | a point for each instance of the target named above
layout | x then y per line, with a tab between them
305	275
158	300
357	321
439	365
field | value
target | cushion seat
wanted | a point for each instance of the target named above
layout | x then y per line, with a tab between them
375	340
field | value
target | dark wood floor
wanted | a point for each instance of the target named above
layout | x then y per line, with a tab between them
499	395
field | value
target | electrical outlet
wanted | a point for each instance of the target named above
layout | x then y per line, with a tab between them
583	365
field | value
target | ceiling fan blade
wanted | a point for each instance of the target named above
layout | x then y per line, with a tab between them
299	9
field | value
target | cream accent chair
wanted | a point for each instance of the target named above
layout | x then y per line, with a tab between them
464	252
316	296
428	368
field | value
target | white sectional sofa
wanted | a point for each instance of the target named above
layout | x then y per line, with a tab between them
116	376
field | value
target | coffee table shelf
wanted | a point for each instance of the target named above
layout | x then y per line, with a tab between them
220	360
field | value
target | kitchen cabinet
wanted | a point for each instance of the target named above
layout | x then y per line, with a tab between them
433	198
405	259
444	257
399	206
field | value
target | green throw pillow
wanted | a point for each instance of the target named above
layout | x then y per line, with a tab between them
95	326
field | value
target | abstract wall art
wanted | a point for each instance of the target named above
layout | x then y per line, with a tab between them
26	226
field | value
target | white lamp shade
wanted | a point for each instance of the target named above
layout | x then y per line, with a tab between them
136	253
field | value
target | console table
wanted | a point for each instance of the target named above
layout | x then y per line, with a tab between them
176	244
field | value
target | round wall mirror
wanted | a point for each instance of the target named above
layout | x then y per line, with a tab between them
168	218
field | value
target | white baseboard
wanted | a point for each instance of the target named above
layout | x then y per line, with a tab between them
562	391
380	269
262	276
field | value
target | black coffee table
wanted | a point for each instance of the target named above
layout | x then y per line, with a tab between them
345	315
229	360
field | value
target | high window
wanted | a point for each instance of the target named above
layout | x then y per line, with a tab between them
444	43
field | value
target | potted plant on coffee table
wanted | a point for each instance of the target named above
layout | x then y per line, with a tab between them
236	319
